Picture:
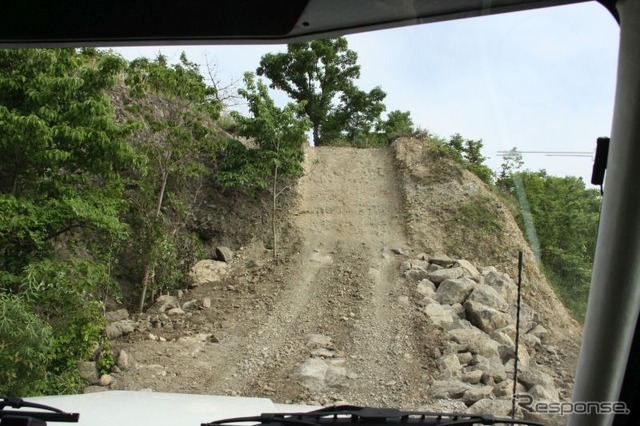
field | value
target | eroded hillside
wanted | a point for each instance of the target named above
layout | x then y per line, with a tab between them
356	310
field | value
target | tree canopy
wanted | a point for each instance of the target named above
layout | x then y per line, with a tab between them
320	75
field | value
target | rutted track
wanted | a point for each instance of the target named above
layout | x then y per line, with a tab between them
343	284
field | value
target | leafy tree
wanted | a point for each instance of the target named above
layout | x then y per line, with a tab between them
25	342
320	76
512	164
356	118
174	140
469	153
279	134
398	123
565	216
62	150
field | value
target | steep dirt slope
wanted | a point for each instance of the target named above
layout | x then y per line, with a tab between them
333	320
342	283
449	210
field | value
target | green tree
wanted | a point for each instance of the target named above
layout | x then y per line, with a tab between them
62	151
398	123
320	76
279	134
469	153
565	216
176	109
25	342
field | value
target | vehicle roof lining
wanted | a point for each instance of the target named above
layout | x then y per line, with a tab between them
73	23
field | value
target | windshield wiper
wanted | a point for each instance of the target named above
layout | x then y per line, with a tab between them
17	417
348	415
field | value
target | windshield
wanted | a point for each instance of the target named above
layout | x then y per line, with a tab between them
325	223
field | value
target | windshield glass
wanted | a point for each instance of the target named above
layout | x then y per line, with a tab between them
330	222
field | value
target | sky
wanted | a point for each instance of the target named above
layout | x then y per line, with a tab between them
541	80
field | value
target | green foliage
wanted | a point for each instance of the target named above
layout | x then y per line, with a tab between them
63	293
512	163
468	152
356	117
279	134
81	190
181	81
61	150
316	74
176	111
479	214
565	217
398	123
25	342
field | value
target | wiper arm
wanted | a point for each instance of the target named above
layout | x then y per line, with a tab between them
51	414
347	415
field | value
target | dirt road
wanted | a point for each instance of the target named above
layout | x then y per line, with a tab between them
343	284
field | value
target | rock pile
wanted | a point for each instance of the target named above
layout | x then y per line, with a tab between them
475	308
325	369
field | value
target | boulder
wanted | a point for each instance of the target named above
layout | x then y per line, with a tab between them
475	341
495	407
502	338
442	260
206	303
451	291
207	272
439	315
166	302
89	372
175	312
473	376
426	288
542	393
503	284
487	295
540	332
124	360
445	274
486	318
446	389
336	375
120	328
469	269
484	270
504	389
459	310
531	341
311	374
419	264
529	318
119	315
416	275
465	358
449	365
224	254
492	369
475	394
531	377
105	380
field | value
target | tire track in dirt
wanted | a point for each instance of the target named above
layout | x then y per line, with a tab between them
343	283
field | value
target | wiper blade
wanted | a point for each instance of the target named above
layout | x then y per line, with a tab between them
346	415
51	414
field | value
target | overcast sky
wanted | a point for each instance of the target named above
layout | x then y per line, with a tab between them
540	80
